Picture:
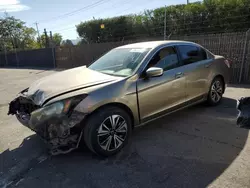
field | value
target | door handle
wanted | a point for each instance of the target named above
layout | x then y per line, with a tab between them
179	75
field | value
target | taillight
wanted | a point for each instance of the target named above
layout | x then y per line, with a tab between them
227	63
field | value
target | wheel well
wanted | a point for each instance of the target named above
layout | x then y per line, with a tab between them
223	80
119	105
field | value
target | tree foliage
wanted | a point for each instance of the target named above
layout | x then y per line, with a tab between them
47	42
57	39
67	42
15	35
208	16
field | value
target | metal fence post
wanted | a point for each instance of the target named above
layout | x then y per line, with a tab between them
165	23
53	55
17	60
244	55
5	54
219	50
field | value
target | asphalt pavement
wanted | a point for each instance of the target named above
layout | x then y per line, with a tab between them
196	147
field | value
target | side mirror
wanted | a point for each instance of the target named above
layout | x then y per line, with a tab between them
154	72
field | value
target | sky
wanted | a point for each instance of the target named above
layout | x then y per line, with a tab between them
61	16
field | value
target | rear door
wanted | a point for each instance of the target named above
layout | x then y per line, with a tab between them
196	66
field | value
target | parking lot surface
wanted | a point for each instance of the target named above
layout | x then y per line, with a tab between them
196	147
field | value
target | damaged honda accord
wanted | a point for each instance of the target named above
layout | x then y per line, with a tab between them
100	104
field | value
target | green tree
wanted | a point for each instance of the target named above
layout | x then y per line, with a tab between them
57	39
15	35
27	40
82	42
67	43
207	16
47	42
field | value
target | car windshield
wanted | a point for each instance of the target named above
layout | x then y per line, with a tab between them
120	61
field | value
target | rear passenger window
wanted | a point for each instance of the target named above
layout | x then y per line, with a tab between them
192	54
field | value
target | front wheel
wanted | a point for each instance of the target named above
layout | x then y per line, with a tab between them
107	131
216	91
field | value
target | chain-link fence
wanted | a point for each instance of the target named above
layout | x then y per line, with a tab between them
233	46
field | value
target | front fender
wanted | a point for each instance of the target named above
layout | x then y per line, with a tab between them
123	92
90	104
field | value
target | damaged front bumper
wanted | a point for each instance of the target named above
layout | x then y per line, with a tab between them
58	124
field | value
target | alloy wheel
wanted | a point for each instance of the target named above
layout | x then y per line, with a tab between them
112	132
216	91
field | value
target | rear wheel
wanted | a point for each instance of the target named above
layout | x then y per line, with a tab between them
107	131
216	92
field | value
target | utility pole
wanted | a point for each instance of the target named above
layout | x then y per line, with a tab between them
165	22
51	39
46	39
5	54
39	39
52	45
50	35
187	1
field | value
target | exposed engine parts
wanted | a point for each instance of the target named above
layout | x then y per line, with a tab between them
62	132
64	137
21	104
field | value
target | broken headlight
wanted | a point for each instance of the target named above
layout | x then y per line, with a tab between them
57	109
54	110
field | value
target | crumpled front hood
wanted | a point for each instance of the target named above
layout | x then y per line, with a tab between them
65	81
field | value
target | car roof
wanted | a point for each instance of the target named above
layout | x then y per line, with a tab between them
154	44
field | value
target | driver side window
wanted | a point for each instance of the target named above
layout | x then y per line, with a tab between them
165	58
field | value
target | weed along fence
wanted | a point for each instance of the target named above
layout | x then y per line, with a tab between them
234	46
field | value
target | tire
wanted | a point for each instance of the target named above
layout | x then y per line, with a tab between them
103	139
215	92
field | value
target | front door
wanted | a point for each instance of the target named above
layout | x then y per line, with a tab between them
157	95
